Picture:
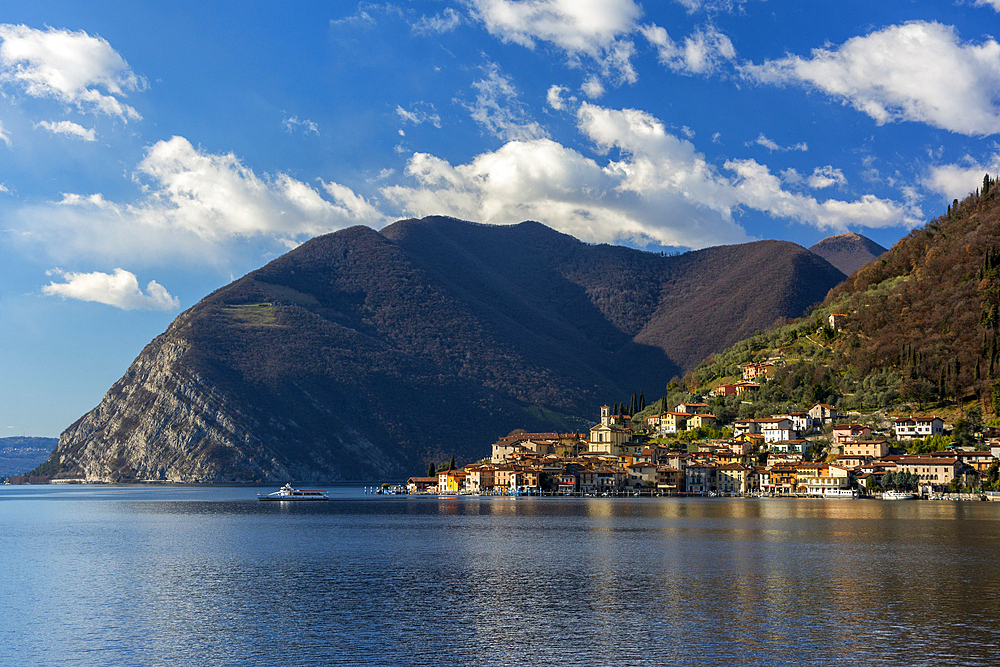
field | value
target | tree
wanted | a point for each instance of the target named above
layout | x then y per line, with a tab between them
451	464
634	406
431	469
642	402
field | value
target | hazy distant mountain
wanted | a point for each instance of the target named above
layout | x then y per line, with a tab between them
20	454
848	252
364	355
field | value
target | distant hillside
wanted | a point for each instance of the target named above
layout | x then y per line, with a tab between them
18	454
848	252
364	355
918	326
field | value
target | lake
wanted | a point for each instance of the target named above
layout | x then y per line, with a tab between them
104	575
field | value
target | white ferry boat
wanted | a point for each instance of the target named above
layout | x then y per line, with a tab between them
840	493
288	493
897	495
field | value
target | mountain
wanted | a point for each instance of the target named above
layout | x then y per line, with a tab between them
20	454
848	252
918	328
363	355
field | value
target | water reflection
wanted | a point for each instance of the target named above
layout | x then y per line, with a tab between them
127	576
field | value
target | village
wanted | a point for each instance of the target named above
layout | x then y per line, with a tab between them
776	456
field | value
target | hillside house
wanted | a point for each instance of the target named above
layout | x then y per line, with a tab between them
836	320
754	371
692	408
723	390
823	413
674	422
844	433
908	428
699	420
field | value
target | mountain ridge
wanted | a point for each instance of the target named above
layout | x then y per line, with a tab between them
364	354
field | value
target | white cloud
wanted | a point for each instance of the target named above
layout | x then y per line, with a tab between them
307	126
4	137
216	196
824	177
659	190
703	51
120	290
71	67
592	29
917	71
418	116
955	181
755	187
593	88
444	22
995	4
555	98
499	111
771	145
194	205
712	5
69	128
579	27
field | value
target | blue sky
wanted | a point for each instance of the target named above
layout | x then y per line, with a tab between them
152	152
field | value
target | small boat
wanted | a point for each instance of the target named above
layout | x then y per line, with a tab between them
897	495
288	493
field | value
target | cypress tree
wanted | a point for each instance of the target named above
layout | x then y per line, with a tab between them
634	405
642	402
431	469
451	464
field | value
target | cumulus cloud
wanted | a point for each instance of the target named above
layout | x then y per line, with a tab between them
444	22
756	187
194	204
919	71
71	67
955	181
702	52
995	4
660	189
589	28
69	128
120	289
771	145
593	30
499	110
217	196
